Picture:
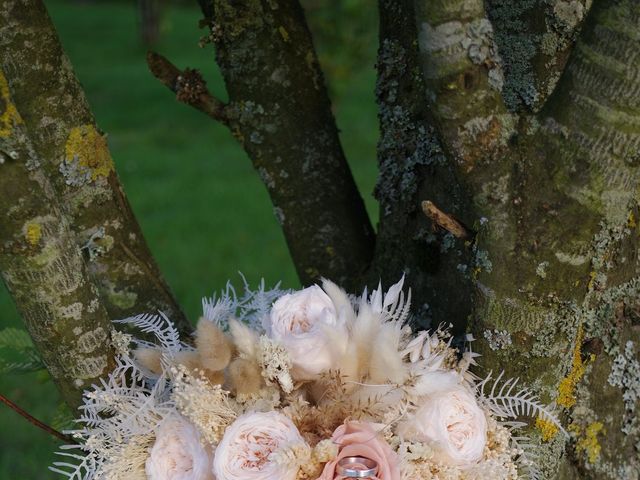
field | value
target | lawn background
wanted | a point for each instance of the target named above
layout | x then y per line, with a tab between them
202	208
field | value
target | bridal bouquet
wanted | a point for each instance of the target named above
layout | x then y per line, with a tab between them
310	384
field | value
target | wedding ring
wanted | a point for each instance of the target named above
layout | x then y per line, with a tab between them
357	467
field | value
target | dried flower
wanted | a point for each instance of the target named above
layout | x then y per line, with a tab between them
300	321
451	420
247	449
178	453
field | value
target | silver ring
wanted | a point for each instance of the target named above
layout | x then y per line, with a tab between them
357	467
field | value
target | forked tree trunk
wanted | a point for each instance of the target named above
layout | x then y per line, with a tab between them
531	142
518	122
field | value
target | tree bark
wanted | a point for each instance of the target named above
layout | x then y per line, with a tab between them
43	267
149	19
76	159
544	172
280	112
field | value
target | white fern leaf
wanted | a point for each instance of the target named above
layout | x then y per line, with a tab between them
528	459
506	400
252	307
158	325
392	296
85	468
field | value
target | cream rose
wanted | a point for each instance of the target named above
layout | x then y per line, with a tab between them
178	453
299	321
453	423
248	443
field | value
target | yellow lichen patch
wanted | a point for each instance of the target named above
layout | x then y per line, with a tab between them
567	387
284	34
589	443
33	233
548	430
89	148
631	220
9	116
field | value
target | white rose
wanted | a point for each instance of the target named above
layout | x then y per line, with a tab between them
299	321
248	443
178	453
453	423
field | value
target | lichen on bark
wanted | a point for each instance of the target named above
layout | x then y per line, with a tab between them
43	268
75	157
279	111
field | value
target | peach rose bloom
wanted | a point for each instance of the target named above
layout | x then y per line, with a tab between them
360	439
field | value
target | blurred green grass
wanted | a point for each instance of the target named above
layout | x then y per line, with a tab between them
203	209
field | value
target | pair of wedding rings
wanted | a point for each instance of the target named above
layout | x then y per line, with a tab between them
356	467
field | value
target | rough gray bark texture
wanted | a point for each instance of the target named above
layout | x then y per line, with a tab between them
75	157
43	267
543	169
279	111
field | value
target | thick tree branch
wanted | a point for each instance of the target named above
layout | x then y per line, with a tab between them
463	78
43	268
534	41
280	112
76	159
594	121
550	197
188	85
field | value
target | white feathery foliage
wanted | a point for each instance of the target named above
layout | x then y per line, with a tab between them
245	339
341	301
393	305
378	326
508	401
158	325
251	306
114	412
387	365
529	456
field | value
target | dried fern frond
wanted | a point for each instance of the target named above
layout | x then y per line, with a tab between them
158	325
508	401
528	459
121	408
252	306
85	467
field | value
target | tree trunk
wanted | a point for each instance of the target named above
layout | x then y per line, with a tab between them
76	159
280	112
43	268
149	18
543	172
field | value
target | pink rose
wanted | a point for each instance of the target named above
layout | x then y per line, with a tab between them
360	439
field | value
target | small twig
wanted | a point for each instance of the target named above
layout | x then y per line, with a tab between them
188	85
36	422
445	221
